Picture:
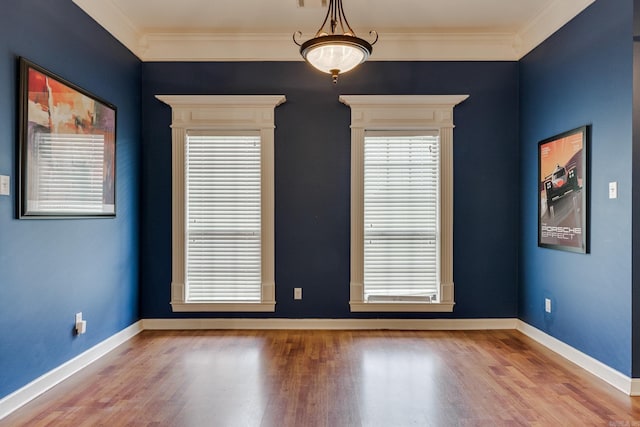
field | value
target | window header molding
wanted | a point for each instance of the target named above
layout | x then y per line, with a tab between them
392	112
222	111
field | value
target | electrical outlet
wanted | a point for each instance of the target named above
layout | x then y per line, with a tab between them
297	293
81	325
547	305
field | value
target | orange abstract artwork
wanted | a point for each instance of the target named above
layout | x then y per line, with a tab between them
67	148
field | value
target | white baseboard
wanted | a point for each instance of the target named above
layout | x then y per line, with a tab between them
330	324
618	380
41	384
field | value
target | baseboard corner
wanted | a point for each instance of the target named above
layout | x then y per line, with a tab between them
595	367
35	388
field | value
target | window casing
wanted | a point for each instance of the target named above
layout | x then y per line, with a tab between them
398	115
211	119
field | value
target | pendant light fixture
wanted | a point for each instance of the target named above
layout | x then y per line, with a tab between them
335	53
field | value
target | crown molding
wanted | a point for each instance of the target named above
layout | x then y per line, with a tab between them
551	19
279	47
111	18
445	46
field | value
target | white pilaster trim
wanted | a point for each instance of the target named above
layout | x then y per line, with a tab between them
43	383
446	213
356	282
178	145
267	215
586	362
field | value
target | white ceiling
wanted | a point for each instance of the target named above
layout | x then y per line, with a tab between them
246	30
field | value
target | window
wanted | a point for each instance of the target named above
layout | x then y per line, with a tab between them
401	202
223	218
401	195
223	202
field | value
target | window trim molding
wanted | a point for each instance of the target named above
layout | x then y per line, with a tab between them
401	113
222	113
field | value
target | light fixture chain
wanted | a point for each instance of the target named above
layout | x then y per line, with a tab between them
326	18
334	16
343	16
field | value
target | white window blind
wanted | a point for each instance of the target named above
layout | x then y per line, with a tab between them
69	173
223	236
401	223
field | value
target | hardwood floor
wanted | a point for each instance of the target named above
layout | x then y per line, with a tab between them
330	378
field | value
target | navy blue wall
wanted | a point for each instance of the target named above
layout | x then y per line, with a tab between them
582	75
51	269
312	177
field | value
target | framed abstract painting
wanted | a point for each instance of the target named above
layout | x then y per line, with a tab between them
67	148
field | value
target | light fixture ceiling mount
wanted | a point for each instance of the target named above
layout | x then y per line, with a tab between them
335	53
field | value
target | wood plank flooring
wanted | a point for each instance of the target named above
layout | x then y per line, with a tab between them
330	378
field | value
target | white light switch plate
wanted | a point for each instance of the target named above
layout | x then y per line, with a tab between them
5	185
613	190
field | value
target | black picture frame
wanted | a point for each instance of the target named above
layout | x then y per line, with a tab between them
66	148
563	191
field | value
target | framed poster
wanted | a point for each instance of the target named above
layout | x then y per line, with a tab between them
67	148
563	191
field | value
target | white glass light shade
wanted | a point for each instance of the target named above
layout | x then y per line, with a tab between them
335	57
335	54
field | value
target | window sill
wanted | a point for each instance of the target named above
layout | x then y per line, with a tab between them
223	307
399	307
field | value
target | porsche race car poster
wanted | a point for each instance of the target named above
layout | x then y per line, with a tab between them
562	191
